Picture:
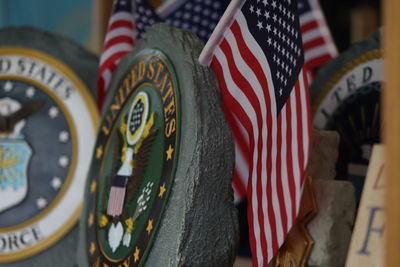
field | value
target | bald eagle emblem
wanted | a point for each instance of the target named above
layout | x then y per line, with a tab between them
131	155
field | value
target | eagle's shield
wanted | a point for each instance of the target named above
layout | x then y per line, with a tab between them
14	159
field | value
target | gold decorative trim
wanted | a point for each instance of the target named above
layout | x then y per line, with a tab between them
297	247
368	56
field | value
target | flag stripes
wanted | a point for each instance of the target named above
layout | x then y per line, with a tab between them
319	47
274	146
119	41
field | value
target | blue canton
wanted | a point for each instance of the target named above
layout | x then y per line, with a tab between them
275	26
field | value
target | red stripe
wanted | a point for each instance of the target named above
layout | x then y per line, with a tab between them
311	25
121	24
318	41
240	141
100	92
252	61
292	187
247	55
106	64
119	40
279	184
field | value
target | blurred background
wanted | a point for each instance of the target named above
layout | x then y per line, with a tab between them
85	20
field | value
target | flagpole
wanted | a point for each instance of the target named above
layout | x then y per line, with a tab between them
218	33
391	128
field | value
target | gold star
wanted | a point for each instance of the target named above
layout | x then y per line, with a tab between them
169	152
92	248
149	226
90	219
162	190
136	255
93	186
99	152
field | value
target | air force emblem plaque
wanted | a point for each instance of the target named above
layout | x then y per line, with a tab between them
163	150
47	132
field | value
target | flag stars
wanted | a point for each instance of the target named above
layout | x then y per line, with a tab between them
259	25
274	5
258	12
267	15
269	41
265	2
251	9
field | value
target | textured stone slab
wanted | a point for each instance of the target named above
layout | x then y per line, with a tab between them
332	227
199	226
324	155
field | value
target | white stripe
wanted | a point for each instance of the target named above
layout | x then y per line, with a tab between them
123	15
248	108
241	165
256	50
251	78
121	31
318	51
310	16
242	130
284	169
107	78
236	197
295	154
315	33
113	50
303	96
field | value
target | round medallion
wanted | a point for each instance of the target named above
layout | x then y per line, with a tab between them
134	168
346	99
47	130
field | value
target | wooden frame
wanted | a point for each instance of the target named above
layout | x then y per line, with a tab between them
391	128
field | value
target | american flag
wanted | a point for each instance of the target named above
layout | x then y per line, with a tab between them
257	54
119	41
198	16
319	47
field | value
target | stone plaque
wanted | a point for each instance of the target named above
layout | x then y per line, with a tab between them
159	191
48	123
367	247
346	99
